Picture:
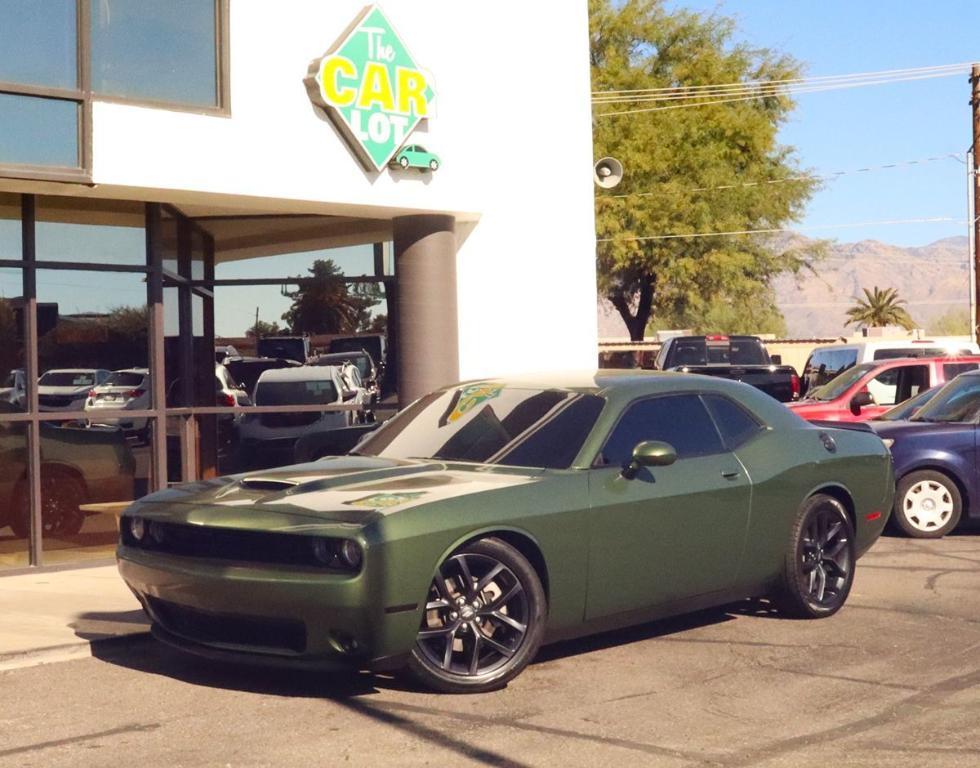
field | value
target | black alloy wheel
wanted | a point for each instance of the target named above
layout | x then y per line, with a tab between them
483	620
61	497
819	565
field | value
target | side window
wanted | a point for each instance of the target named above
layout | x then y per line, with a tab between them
952	370
892	386
680	420
912	380
733	421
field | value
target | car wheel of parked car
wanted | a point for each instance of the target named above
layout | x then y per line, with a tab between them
928	504
61	496
433	165
483	621
819	565
403	162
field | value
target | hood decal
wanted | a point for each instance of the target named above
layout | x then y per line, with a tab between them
385	500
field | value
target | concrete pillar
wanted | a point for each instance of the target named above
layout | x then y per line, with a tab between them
427	333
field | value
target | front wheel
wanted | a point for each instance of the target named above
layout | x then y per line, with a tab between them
928	505
61	497
818	568
483	621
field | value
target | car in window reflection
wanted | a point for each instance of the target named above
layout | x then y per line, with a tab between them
366	369
14	389
936	460
67	389
78	466
269	437
125	390
492	516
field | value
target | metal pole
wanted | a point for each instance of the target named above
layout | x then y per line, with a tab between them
970	214
975	219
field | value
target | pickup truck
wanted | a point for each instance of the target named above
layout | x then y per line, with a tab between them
867	390
741	358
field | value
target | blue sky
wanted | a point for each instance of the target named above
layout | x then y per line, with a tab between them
850	129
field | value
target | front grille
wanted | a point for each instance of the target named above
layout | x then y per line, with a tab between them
231	544
276	635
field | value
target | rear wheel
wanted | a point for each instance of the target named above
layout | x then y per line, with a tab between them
928	505
483	621
818	568
61	497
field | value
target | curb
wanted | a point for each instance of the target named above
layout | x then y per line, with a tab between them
69	652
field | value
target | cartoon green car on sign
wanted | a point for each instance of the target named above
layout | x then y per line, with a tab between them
415	156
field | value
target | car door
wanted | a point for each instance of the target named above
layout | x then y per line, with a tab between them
671	532
894	386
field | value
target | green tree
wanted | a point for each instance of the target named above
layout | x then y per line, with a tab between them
879	308
322	303
676	160
262	328
749	313
953	322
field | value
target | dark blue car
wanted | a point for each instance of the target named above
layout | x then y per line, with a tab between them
935	456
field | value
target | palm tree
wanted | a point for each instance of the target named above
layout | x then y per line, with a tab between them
879	308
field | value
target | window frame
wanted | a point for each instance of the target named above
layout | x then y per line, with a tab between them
84	97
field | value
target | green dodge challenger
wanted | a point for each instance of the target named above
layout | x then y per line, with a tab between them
490	517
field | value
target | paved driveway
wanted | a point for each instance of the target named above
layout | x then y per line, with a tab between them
893	680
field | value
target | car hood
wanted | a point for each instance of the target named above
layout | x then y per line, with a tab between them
345	489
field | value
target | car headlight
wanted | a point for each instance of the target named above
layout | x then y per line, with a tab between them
137	528
889	442
350	553
344	554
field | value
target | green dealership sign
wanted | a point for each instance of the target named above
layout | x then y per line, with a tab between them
372	88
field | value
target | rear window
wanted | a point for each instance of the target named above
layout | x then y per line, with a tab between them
701	352
295	393
124	379
891	354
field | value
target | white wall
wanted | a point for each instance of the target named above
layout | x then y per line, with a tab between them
512	129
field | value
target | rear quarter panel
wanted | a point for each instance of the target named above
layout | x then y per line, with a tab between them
789	466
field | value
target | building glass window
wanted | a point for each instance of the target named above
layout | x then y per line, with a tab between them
153	51
38	131
90	231
38	43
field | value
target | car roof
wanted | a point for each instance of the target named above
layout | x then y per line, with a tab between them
303	373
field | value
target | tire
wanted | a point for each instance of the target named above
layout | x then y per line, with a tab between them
475	638
403	162
928	505
433	165
61	497
818	568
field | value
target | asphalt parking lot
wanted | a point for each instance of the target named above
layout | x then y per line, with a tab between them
892	680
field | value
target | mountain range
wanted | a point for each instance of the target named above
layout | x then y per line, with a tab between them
933	279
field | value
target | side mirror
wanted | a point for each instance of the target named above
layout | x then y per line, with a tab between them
650	453
776	359
860	400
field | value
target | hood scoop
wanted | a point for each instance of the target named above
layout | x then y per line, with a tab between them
266	484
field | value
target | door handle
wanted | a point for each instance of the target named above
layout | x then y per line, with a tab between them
730	475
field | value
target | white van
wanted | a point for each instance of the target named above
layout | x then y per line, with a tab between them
825	362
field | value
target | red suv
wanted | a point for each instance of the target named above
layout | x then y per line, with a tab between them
868	390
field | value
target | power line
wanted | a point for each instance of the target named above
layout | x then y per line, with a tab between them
788	179
787	81
777	230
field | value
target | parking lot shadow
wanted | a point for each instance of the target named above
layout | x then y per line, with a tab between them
102	625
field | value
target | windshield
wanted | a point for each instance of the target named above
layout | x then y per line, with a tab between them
905	410
841	383
361	362
295	393
490	423
67	379
958	401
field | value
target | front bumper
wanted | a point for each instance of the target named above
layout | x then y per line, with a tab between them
266	614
